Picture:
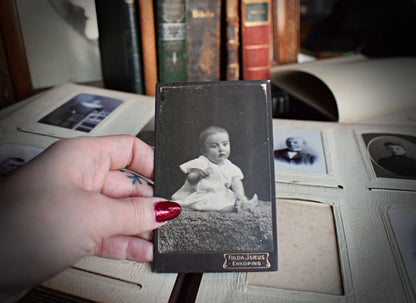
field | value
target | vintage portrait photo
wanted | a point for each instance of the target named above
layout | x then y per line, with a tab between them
299	150
82	113
392	155
13	156
213	156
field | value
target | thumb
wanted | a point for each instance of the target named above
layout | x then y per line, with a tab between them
136	215
131	218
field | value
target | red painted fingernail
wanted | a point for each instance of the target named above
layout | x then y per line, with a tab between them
167	210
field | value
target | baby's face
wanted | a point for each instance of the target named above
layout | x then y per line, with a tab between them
217	147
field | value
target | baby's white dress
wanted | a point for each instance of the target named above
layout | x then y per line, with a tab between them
212	192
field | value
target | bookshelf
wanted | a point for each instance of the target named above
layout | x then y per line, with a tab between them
16	81
14	50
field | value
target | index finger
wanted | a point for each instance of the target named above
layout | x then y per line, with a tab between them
128	152
98	155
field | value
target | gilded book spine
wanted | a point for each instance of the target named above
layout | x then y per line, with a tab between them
203	40
256	39
119	45
171	40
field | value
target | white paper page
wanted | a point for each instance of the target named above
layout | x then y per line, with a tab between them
361	87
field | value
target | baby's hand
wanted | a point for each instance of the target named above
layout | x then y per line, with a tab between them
201	173
196	174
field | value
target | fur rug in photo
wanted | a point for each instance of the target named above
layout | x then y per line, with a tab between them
246	229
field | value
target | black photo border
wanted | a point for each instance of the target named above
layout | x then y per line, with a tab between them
233	104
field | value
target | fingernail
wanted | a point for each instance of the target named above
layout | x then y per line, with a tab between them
167	210
150	254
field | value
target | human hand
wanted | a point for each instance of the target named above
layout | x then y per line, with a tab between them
196	174
73	200
201	172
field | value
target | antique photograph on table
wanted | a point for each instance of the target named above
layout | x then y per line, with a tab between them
392	155
72	110
214	156
82	113
299	150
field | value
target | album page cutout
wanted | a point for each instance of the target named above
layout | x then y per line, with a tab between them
389	157
303	154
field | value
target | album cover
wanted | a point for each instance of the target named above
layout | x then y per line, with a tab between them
214	156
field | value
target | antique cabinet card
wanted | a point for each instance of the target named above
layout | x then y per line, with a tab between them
214	156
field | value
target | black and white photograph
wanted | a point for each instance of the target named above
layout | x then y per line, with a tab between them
82	113
392	155
299	150
14	156
214	156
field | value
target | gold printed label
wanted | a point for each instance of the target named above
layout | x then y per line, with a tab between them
246	261
200	14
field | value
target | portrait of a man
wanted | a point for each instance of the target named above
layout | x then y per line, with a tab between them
299	150
295	152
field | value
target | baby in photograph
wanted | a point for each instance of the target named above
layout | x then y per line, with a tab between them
213	183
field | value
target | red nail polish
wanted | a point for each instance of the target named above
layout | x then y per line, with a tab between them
167	210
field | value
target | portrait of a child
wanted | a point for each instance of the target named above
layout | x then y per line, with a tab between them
213	182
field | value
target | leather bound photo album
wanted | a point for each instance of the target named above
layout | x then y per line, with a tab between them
214	156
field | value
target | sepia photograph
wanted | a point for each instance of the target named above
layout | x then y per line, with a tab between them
299	150
392	155
213	156
82	113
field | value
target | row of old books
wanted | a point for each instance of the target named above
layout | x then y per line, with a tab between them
143	42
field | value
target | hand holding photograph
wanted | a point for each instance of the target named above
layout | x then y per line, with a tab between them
214	156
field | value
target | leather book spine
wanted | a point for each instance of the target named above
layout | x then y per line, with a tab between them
233	39
256	39
148	40
171	40
286	31
119	45
203	40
